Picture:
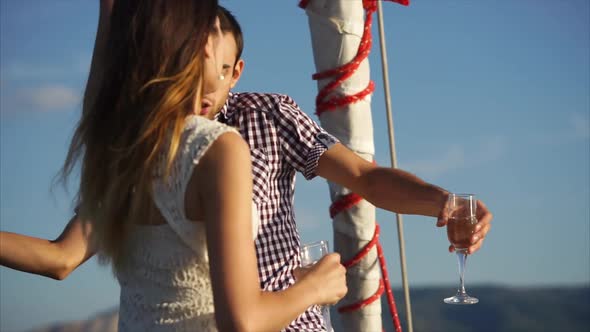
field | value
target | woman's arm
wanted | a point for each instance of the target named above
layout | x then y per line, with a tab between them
57	259
225	186
54	259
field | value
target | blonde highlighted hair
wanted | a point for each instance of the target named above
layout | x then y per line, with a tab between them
151	80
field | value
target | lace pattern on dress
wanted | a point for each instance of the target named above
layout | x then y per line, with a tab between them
165	280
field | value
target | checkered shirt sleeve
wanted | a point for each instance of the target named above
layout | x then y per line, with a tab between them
302	140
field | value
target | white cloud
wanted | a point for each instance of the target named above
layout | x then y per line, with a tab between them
491	149
580	124
567	129
22	71
451	159
48	98
77	66
457	157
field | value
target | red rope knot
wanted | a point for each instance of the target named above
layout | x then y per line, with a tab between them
355	260
344	203
370	5
337	102
304	3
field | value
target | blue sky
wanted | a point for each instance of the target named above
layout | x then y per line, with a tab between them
490	97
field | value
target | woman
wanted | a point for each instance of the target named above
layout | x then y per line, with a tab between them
167	194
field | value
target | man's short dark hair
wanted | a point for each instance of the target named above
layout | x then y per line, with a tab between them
229	23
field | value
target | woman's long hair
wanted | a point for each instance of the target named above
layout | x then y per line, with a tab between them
151	80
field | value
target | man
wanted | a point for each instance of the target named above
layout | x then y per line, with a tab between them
283	140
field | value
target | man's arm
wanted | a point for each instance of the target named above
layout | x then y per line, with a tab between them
387	188
392	189
54	259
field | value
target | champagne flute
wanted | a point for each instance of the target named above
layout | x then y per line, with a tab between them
460	228
311	253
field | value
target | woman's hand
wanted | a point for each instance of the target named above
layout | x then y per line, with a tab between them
327	277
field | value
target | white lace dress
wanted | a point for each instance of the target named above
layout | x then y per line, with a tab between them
165	283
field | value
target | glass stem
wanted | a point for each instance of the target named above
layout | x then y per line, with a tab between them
462	258
327	318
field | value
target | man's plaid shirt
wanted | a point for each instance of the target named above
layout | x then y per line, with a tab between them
282	140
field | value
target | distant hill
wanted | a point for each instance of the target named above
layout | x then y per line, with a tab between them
102	322
501	309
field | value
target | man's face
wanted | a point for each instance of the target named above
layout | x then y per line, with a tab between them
231	70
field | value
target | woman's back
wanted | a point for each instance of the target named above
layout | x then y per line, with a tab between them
165	284
164	278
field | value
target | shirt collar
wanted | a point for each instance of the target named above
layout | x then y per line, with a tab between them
227	110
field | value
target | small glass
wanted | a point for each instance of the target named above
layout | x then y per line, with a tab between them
311	253
460	229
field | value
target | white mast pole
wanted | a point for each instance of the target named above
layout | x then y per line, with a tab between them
336	29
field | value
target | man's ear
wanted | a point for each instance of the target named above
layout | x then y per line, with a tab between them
238	69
